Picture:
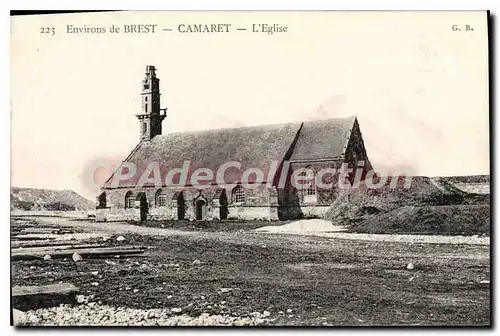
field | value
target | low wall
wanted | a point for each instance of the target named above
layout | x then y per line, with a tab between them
170	213
110	215
314	211
253	213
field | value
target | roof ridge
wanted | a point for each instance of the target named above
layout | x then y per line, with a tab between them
252	126
228	128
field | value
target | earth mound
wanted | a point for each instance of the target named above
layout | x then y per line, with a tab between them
436	220
353	203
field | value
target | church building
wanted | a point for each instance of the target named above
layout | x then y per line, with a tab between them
255	164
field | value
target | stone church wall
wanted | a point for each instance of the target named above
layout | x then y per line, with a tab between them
257	205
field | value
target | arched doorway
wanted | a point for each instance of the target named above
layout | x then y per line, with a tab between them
201	207
223	211
101	201
143	206
181	206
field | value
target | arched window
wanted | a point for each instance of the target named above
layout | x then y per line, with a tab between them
101	200
161	198
129	200
239	195
309	176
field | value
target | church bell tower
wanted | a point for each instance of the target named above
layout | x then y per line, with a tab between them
151	115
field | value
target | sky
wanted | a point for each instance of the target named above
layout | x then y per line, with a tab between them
418	88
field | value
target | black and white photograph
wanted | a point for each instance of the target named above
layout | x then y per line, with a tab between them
250	169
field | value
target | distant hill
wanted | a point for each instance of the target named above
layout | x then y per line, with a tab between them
29	199
466	179
475	184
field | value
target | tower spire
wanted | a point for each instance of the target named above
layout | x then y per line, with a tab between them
151	115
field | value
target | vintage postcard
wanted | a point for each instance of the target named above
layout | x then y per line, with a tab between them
261	168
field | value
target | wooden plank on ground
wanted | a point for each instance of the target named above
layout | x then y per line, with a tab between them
63	288
41	230
50	249
41	243
33	236
33	297
132	255
84	252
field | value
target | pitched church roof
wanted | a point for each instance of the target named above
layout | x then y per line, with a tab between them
252	147
323	139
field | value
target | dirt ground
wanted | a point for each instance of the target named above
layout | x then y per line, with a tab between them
299	280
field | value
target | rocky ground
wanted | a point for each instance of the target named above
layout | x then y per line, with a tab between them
93	314
252	278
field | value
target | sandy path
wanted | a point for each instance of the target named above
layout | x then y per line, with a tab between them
111	227
398	238
123	227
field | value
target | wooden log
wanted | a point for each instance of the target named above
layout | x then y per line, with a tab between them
132	255
68	236
42	231
41	243
22	223
33	236
50	249
33	297
63	288
84	252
